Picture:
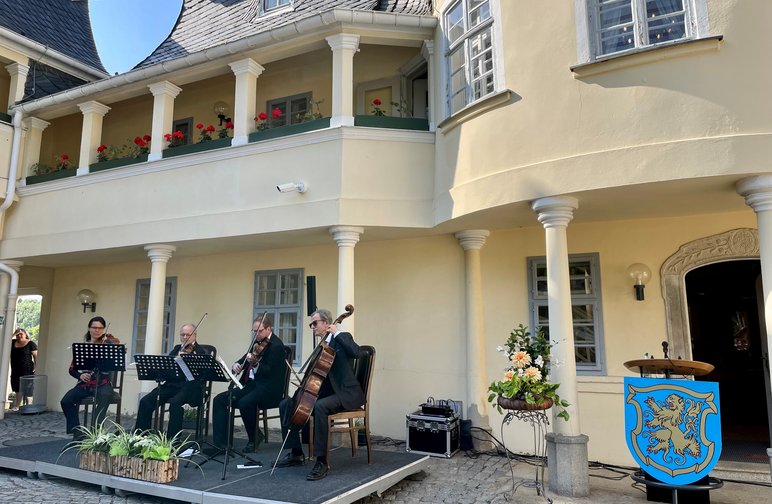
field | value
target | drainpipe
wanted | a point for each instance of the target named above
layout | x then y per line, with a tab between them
6	329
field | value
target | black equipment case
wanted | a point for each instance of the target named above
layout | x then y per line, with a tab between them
435	435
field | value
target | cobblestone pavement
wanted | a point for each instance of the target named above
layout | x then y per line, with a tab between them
463	479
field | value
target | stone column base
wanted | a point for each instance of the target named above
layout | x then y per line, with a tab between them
481	441
569	473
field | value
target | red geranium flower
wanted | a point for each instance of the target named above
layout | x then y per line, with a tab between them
147	138
64	157
262	116
199	125
229	125
168	137
276	113
377	101
178	135
209	128
101	148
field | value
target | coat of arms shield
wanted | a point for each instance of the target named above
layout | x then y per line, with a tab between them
673	427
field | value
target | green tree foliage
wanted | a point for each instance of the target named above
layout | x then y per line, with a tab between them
28	316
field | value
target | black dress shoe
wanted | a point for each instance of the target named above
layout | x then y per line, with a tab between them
249	448
290	460
319	471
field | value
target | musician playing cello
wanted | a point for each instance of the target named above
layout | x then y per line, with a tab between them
263	378
339	391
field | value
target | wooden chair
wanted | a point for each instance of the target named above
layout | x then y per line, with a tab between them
116	379
345	421
202	411
262	414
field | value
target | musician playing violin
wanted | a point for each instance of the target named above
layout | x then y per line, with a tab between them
339	391
87	381
178	392
262	375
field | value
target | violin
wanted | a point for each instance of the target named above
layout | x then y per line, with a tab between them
320	363
259	346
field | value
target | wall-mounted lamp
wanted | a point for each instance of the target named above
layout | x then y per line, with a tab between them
221	109
87	299
641	274
300	187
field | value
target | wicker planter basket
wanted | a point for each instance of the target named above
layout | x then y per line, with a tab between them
156	471
519	404
95	461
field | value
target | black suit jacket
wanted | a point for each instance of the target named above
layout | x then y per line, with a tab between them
270	372
341	376
197	349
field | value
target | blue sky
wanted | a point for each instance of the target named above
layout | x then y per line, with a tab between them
126	31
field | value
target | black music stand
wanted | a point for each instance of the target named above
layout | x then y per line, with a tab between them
208	368
98	358
160	368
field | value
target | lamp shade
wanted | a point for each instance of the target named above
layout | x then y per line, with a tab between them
220	108
640	273
86	296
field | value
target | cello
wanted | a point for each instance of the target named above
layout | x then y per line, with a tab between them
319	364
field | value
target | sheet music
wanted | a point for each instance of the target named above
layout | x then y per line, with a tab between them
227	370
184	368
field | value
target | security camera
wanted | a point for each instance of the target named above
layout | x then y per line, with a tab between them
291	186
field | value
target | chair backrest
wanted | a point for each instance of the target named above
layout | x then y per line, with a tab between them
288	370
363	370
116	379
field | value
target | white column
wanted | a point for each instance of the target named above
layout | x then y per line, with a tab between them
247	71
6	329
18	74
159	255
344	46
555	213
758	195
427	51
476	387
91	133
34	140
164	94
346	237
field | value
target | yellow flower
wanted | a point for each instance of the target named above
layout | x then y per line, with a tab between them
533	372
520	359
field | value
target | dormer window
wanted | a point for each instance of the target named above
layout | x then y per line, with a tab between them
269	5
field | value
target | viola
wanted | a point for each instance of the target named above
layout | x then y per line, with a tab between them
320	363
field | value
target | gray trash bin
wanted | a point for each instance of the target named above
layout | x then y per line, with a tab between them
35	387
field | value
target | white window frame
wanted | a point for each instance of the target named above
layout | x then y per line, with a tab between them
588	30
272	6
462	43
276	308
537	300
170	303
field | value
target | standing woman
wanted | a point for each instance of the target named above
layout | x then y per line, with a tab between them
87	381
24	355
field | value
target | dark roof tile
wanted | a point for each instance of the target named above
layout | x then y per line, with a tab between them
63	25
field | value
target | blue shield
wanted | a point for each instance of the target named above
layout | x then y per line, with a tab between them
673	427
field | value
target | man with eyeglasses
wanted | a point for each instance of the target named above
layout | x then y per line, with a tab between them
339	391
262	375
177	393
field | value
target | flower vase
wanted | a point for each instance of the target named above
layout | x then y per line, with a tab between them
512	403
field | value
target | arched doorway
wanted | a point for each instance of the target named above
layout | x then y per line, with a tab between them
725	331
738	249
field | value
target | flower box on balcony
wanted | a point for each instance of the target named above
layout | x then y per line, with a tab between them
408	123
290	129
216	143
45	177
115	163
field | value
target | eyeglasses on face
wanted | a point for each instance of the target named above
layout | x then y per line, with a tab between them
314	323
186	334
96	328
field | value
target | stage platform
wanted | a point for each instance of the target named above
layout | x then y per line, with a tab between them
350	478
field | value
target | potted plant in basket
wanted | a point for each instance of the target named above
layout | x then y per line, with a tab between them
145	455
526	384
